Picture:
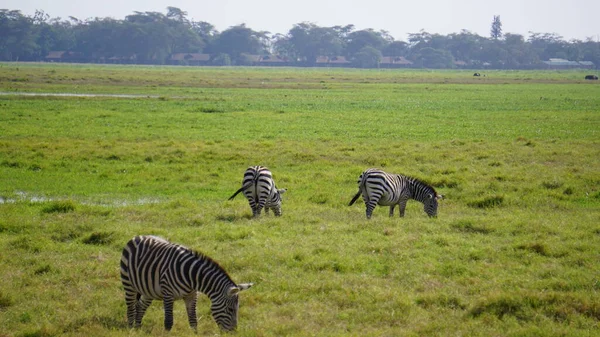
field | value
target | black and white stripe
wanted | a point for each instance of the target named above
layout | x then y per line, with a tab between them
260	190
152	268
380	188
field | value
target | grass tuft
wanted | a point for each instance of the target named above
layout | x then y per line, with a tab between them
504	305
5	300
43	269
211	110
99	238
538	248
487	202
445	183
63	206
442	301
467	226
552	185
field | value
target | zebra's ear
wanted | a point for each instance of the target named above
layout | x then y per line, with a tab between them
439	197
244	286
281	190
236	289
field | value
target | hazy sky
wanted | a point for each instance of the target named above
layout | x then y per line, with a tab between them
572	19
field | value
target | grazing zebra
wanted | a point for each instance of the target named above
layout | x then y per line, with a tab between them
380	188
260	190
152	268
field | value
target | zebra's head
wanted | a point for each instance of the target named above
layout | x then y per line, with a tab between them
430	204
225	309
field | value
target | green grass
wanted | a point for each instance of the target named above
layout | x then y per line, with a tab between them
513	251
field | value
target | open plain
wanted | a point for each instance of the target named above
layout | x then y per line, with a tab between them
118	151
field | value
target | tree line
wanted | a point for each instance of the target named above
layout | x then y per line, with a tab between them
151	37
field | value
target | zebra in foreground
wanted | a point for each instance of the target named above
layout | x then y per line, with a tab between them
260	190
380	188
152	268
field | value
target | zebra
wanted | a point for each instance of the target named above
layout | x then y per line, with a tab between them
153	268
380	188
260	190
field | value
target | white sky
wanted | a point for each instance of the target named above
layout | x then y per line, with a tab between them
571	19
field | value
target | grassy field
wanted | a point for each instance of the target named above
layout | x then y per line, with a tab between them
513	251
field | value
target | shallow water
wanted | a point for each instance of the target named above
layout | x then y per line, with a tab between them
68	94
26	197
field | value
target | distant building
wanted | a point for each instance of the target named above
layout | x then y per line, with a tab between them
394	62
557	63
332	61
460	64
272	61
192	59
122	59
65	56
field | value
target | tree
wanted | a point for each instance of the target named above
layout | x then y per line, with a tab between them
367	57
206	32
465	46
151	36
547	45
18	36
519	52
496	30
361	39
434	58
236	41
307	41
396	48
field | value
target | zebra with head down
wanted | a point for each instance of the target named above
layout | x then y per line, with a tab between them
380	188
260	190
152	268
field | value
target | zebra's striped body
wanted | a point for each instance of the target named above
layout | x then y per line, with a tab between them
380	188
260	190
155	269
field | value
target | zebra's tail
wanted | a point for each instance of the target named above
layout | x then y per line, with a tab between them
361	188
355	197
243	188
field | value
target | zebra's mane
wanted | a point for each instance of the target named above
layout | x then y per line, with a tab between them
203	257
419	182
199	255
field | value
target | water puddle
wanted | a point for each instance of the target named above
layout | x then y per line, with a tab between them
30	198
67	94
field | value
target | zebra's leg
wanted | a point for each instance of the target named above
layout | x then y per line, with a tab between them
370	207
259	207
141	307
256	207
190	307
392	210
256	211
371	202
262	201
131	299
402	207
168	305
